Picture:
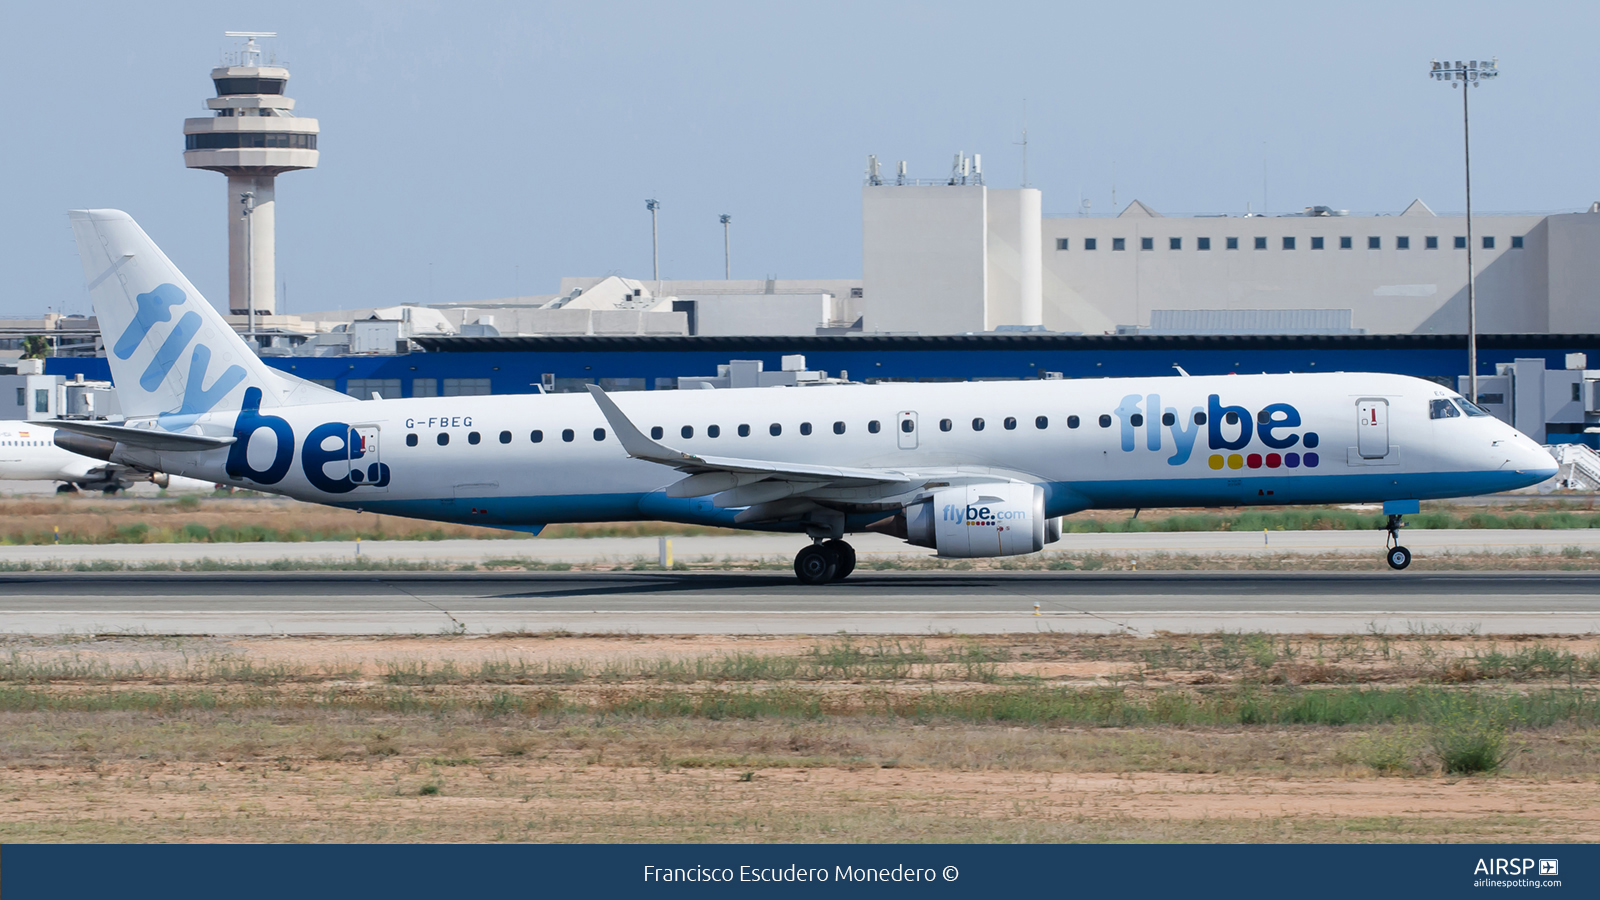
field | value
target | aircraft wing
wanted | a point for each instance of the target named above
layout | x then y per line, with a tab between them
144	438
719	474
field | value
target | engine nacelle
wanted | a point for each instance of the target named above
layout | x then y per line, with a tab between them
995	519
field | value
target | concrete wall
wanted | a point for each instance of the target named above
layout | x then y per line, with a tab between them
1388	290
924	265
19	395
1014	287
1572	243
763	314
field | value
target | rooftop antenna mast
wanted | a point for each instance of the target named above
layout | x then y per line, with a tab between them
1024	142
250	54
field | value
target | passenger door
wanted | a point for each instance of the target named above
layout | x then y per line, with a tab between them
1372	428
364	459
906	430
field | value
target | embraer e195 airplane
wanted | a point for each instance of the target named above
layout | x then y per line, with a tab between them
969	470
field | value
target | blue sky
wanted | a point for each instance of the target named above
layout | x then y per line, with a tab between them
474	150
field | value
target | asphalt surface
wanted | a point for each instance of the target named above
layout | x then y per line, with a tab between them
782	547
750	603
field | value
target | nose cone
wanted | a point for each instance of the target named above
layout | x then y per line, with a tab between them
1530	460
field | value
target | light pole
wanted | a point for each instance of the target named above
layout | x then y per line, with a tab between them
655	246
727	256
1470	73
247	200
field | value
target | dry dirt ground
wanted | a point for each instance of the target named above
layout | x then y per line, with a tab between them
556	737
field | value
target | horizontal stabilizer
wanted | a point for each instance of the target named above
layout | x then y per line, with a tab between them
146	438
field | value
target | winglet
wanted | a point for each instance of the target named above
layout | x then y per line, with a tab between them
633	440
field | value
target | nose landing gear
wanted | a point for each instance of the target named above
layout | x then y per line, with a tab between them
1397	556
831	560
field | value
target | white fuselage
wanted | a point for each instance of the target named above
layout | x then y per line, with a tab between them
529	460
28	453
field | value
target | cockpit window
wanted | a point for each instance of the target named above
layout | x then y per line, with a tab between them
1470	408
1442	409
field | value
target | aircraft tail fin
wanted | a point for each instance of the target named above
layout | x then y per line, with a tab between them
171	353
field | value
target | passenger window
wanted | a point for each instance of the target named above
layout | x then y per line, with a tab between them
599	434
977	424
687	431
873	427
444	438
1041	423
744	431
1442	409
946	424
713	431
1262	418
774	429
1169	419
907	426
1072	421
473	438
656	433
1105	421
1137	420
411	440
536	436
1199	418
505	437
1011	423
838	428
805	427
1231	418
567	435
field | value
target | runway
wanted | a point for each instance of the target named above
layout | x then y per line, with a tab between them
772	603
781	547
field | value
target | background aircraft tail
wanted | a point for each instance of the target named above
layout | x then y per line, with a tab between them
171	353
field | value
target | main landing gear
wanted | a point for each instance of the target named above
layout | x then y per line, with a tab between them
1397	556
825	561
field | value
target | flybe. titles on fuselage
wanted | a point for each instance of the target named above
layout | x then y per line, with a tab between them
1228	428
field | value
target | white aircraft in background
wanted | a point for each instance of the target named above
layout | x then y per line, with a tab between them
32	451
968	469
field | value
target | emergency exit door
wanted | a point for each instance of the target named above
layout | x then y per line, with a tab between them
906	425
1372	428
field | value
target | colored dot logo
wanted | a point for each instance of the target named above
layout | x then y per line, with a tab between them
1270	461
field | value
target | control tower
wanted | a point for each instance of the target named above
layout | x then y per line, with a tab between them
251	136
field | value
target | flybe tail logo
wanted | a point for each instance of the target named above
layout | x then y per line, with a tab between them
153	308
1276	426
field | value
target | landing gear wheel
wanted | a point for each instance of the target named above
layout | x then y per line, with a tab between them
66	489
815	565
1399	557
846	555
111	491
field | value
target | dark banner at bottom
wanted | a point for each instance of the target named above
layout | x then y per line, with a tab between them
404	871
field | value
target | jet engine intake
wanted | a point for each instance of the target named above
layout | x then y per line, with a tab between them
995	519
